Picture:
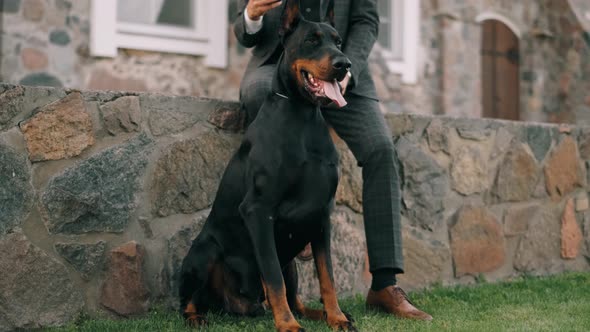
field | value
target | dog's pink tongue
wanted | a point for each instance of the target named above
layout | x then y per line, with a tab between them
332	91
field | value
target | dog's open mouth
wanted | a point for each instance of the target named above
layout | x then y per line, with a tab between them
323	90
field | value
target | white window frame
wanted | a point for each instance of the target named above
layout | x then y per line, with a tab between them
407	63
208	38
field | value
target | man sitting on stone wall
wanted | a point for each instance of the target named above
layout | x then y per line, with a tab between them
360	124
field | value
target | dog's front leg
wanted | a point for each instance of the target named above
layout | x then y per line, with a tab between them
323	262
258	216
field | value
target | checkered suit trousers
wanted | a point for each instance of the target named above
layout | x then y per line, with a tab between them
362	126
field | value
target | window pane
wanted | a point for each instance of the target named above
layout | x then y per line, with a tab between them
171	12
397	30
384	7
385	35
177	12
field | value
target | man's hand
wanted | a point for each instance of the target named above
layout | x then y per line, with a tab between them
257	8
344	83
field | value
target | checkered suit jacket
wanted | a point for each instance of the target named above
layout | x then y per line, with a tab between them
357	23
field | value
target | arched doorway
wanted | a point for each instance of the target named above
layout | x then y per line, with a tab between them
500	71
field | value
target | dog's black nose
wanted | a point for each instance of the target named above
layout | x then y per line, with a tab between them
341	62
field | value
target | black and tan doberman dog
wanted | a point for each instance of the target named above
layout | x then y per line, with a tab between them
276	194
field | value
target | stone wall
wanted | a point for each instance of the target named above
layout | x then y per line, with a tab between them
554	65
45	42
101	194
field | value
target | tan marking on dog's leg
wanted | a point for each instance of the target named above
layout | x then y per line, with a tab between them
284	320
313	314
334	316
193	318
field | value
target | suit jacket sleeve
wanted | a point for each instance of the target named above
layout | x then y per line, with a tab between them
245	39
362	34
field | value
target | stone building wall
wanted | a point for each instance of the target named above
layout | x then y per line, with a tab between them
45	42
101	194
554	60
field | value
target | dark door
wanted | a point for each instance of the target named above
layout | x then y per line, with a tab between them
500	74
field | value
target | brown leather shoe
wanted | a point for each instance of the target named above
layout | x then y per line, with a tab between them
395	301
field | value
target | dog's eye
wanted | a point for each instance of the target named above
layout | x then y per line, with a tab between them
311	41
339	43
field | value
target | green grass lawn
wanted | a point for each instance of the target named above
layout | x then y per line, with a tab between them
559	303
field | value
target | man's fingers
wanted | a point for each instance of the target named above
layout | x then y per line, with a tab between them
265	2
260	7
270	5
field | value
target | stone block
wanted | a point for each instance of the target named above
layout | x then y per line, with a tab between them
473	130
425	185
101	79
539	139
98	194
425	259
587	233
176	247
60	130
34	59
33	10
518	218
400	124
584	144
59	37
170	115
124	290
228	116
437	136
517	175
477	242
564	128
562	169
35	289
18	103
350	184
123	115
538	252
86	258
16	192
41	79
503	142
186	177
571	235
469	171
582	203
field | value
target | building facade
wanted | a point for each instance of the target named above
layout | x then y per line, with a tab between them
526	60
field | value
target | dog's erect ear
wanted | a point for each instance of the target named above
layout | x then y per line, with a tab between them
290	17
330	14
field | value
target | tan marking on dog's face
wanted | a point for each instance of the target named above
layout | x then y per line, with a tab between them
318	68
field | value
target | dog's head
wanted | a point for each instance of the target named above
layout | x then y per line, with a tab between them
313	55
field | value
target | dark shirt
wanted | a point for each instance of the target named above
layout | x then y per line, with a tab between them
310	9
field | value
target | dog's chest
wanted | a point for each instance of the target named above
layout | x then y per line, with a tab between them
315	146
311	180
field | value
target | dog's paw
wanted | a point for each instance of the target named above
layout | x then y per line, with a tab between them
343	326
290	327
342	323
349	317
196	321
